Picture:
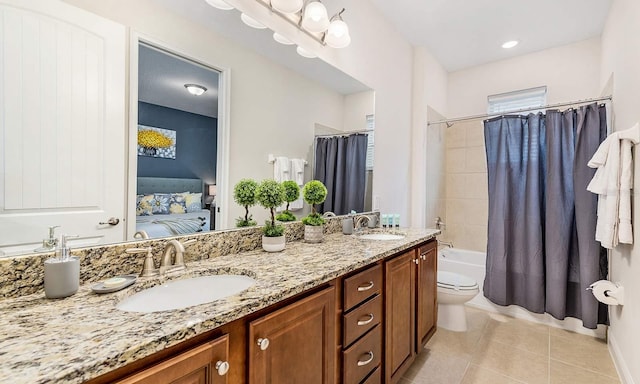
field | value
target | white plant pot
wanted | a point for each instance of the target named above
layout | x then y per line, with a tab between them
273	244
313	233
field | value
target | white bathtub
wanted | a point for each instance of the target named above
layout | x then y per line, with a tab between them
473	264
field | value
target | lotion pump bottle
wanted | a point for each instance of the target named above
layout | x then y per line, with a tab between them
61	273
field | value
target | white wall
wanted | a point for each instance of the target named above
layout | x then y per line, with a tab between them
430	82
621	58
356	108
273	109
570	72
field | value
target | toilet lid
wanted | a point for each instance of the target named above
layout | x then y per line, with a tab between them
455	281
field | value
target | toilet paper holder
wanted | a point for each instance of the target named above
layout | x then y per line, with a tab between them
613	292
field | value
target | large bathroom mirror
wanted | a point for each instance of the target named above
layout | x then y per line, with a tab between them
62	177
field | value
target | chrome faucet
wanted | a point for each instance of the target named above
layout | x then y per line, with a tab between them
439	223
149	266
141	235
447	243
358	224
174	247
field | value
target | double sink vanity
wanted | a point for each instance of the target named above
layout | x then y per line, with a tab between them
351	309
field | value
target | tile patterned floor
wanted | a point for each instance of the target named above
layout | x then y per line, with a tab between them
502	350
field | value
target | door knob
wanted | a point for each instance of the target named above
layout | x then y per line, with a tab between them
111	221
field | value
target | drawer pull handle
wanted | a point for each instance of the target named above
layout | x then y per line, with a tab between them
222	367
367	287
263	344
368	321
365	362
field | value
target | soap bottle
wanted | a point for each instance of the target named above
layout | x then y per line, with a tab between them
61	273
396	220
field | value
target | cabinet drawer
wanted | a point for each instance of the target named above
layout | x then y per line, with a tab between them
425	248
357	322
362	357
374	378
361	286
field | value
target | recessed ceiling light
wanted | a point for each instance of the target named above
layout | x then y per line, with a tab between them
510	44
195	89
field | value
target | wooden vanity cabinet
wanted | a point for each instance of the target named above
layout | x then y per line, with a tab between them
411	307
295	344
205	364
426	293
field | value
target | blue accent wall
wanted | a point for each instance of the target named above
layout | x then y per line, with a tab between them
196	144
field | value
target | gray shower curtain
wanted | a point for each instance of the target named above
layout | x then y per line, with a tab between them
541	249
340	163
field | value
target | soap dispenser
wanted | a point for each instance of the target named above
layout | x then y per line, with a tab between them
61	273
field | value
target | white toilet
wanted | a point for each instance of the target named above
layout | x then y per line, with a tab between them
453	291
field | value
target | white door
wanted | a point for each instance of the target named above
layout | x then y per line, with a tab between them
62	124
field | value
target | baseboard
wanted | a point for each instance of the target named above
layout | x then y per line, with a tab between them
570	324
619	362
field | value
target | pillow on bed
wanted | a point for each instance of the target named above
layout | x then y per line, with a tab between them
166	203
144	205
193	201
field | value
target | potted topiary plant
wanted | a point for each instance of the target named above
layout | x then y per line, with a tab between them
270	194
314	192
244	193
291	194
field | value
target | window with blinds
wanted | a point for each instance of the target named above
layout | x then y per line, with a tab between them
370	139
513	101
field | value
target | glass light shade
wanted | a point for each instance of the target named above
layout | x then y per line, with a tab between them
220	4
250	21
338	34
287	6
315	17
305	53
281	39
195	89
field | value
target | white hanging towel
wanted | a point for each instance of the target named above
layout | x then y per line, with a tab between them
281	169
612	183
297	175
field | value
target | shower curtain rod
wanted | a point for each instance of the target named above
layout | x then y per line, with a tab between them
486	115
345	133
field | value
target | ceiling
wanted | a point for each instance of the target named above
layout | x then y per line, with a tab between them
161	80
465	33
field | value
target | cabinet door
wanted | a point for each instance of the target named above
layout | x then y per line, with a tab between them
295	344
427	306
206	364
400	315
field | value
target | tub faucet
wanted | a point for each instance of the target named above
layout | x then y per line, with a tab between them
177	248
447	243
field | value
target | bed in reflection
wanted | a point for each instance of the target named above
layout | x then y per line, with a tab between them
170	206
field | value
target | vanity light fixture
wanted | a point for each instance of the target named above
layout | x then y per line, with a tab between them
510	44
250	21
315	18
281	39
305	53
195	89
220	4
337	35
287	6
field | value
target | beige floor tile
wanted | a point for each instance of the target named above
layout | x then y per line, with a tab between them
478	375
519	364
435	368
477	319
588	353
455	344
559	332
519	334
562	373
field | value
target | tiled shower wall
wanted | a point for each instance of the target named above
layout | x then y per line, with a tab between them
466	197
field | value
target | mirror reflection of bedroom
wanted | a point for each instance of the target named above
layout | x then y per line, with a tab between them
177	145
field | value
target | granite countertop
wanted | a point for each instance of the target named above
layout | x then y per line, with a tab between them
84	336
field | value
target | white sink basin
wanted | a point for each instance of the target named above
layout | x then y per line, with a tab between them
380	236
185	293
